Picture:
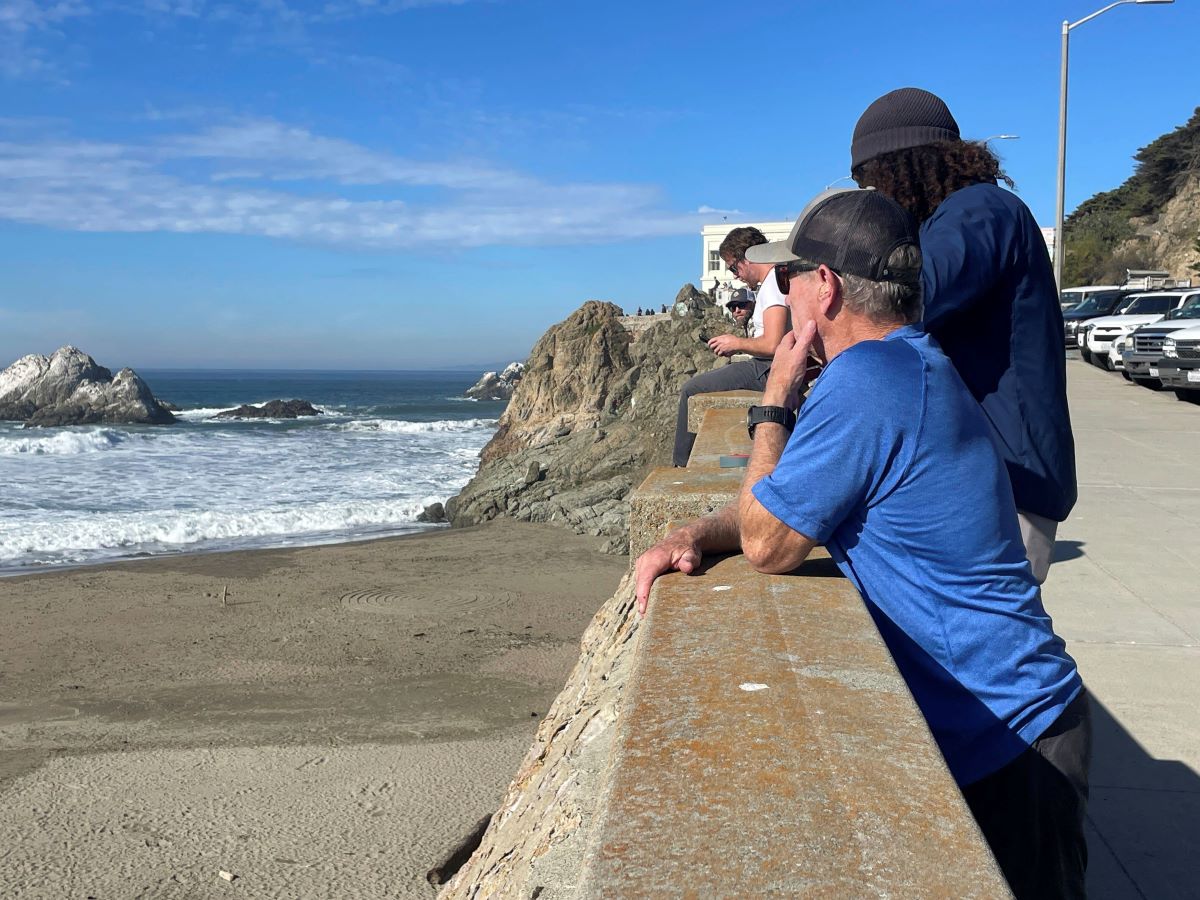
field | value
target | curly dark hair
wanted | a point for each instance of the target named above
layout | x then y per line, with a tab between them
738	241
920	178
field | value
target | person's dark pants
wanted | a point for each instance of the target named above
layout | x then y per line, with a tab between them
1031	811
747	375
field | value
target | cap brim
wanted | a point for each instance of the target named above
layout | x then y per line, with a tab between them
774	252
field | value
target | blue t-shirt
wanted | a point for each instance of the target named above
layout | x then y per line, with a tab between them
991	302
893	468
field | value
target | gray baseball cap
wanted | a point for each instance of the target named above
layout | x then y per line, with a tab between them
851	230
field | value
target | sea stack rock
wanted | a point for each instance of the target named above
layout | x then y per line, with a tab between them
70	388
497	385
594	411
272	409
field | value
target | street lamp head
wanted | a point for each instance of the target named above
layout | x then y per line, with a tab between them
1153	1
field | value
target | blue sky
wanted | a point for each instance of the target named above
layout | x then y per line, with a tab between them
407	183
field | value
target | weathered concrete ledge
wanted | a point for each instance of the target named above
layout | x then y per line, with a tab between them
672	494
755	739
767	745
700	404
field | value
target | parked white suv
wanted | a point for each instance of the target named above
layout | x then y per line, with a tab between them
1099	334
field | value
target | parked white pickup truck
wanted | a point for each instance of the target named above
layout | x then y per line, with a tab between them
1143	346
1179	369
1098	334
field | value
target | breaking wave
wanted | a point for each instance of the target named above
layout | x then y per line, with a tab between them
112	535
394	426
63	443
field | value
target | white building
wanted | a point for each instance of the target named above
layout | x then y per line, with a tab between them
713	268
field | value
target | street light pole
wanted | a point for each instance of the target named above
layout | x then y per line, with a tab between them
1062	131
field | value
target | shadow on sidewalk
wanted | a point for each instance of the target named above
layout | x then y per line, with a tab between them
1065	550
1143	819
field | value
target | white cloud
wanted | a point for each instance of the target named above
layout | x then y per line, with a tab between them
228	179
24	24
32	31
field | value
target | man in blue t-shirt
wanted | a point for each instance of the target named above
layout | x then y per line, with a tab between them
893	467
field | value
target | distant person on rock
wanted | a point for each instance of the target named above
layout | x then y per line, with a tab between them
768	325
990	296
892	465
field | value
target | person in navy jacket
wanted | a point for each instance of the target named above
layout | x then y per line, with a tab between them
989	293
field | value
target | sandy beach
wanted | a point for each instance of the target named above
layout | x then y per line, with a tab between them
322	721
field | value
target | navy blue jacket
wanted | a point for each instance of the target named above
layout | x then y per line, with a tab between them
991	302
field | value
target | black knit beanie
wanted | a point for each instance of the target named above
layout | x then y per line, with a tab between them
908	117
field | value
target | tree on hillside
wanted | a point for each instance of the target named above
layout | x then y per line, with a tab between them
1099	224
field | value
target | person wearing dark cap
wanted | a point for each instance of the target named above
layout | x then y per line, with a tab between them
990	296
741	308
892	466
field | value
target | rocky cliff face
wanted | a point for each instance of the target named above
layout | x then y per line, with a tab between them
1171	237
594	411
69	388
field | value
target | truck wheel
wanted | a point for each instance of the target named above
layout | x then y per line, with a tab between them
1153	383
1181	394
1085	354
1128	377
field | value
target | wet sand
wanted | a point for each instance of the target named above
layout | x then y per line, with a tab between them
345	715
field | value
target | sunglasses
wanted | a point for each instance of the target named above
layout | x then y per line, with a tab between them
738	304
733	266
785	271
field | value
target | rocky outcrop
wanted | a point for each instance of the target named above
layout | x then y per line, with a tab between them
497	385
1169	240
70	388
272	409
592	414
434	513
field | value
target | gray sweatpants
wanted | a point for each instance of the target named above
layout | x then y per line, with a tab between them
748	375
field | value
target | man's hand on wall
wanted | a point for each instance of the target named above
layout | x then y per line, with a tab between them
678	550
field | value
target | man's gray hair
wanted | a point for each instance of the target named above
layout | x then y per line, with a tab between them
888	301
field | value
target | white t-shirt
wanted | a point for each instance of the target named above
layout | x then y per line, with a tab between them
767	296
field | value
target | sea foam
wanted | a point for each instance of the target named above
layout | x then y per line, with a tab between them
63	443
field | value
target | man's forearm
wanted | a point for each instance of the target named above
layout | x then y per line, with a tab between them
769	544
717	532
756	346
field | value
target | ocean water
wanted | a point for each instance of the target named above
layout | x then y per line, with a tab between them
386	445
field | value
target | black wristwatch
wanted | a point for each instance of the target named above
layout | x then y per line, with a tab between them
780	415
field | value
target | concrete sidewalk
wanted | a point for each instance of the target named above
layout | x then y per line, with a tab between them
1125	593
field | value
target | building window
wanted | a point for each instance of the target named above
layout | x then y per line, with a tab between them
714	261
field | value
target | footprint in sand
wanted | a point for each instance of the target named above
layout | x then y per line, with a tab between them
441	602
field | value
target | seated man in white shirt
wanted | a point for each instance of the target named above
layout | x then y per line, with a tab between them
768	325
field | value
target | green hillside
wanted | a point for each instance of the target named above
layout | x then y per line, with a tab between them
1099	225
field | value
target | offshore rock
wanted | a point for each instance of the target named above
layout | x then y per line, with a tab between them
595	411
272	409
497	385
70	388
